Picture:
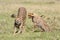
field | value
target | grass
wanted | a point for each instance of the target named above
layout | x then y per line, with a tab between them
50	9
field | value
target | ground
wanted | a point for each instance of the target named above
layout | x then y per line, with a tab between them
49	8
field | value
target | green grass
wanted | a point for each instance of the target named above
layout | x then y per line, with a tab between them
49	9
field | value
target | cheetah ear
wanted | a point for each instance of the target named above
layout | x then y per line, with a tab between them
13	16
42	16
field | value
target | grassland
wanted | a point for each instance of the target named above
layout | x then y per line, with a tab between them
49	8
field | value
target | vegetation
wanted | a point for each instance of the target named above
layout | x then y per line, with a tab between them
49	8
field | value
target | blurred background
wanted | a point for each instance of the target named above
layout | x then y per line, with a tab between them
49	8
